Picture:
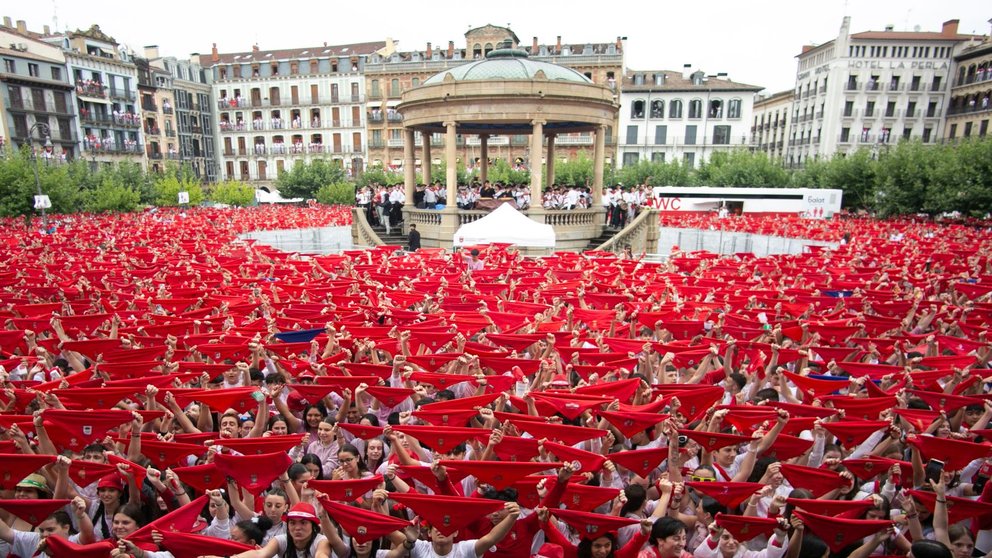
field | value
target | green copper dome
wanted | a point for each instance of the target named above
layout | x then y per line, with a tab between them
505	64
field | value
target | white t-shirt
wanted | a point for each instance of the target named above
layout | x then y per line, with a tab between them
26	544
424	549
281	539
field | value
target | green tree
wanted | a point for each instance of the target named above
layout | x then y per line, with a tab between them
501	171
741	167
110	196
856	175
904	179
961	178
17	186
379	175
340	193
304	179
575	172
168	188
234	193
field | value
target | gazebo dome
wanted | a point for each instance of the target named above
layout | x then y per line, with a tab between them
507	64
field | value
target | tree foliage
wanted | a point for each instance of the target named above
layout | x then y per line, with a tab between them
233	192
339	193
112	196
304	179
741	168
168	187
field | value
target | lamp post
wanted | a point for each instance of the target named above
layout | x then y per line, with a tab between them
46	132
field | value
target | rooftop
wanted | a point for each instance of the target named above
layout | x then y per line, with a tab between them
507	64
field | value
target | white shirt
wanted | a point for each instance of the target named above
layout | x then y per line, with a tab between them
425	549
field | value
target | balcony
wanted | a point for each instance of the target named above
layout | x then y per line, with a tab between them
107	146
95	119
936	87
892	113
232	103
395	142
229	153
315	148
155	155
851	86
357	99
375	95
150	106
375	117
167	110
172	156
377	144
153	130
873	87
169	132
196	129
896	87
844	140
870	112
127	120
394	117
932	113
91	89
278	149
970	108
122	95
195	107
229	127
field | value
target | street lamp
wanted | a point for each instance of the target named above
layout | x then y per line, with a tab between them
46	132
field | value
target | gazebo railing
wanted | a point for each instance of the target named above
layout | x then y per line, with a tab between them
637	234
362	230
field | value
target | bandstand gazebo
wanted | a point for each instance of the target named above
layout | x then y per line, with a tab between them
506	93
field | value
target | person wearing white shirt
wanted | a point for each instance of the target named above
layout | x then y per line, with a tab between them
441	546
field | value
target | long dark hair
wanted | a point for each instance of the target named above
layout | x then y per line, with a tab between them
292	551
255	528
584	550
360	461
100	517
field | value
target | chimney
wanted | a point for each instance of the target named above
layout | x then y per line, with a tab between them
254	48
534	47
451	49
47	30
619	43
558	45
194	58
950	27
687	72
151	52
7	22
890	28
214	57
22	26
430	52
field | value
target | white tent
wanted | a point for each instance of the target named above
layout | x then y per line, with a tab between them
506	224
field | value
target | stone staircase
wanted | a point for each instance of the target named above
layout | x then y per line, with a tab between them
395	238
607	234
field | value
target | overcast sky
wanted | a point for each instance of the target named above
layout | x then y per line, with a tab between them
753	41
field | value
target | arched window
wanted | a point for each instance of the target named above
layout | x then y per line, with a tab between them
734	108
489	48
657	108
477	51
695	108
637	109
716	108
416	82
675	109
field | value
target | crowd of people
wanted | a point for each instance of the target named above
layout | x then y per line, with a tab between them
171	391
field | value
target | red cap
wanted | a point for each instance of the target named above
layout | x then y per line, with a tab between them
817	481
730	494
363	525
113	480
254	473
592	525
447	514
303	511
499	474
346	490
841	533
745	528
33	511
640	462
853	433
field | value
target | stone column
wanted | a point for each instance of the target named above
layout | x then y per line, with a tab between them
598	163
551	160
451	152
536	150
484	155
425	162
409	166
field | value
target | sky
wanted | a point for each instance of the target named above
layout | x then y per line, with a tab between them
754	42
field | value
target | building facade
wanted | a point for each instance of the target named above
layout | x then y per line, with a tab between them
194	113
106	82
971	93
158	120
770	124
390	72
278	107
687	116
35	89
871	89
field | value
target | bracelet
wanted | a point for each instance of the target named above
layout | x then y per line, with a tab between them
408	544
944	501
913	516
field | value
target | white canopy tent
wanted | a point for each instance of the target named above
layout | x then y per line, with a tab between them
506	224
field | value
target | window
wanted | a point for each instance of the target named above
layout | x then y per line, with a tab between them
953	132
911	109
695	108
849	108
657	109
660	135
845	135
983	128
9	66
716	109
33	70
967	129
689	159
927	133
734	108
690	135
865	134
935	85
721	135
890	109
56	73
375	88
629	159
658	157
631	135
394	88
637	109
415	82
870	108
907	132
675	109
